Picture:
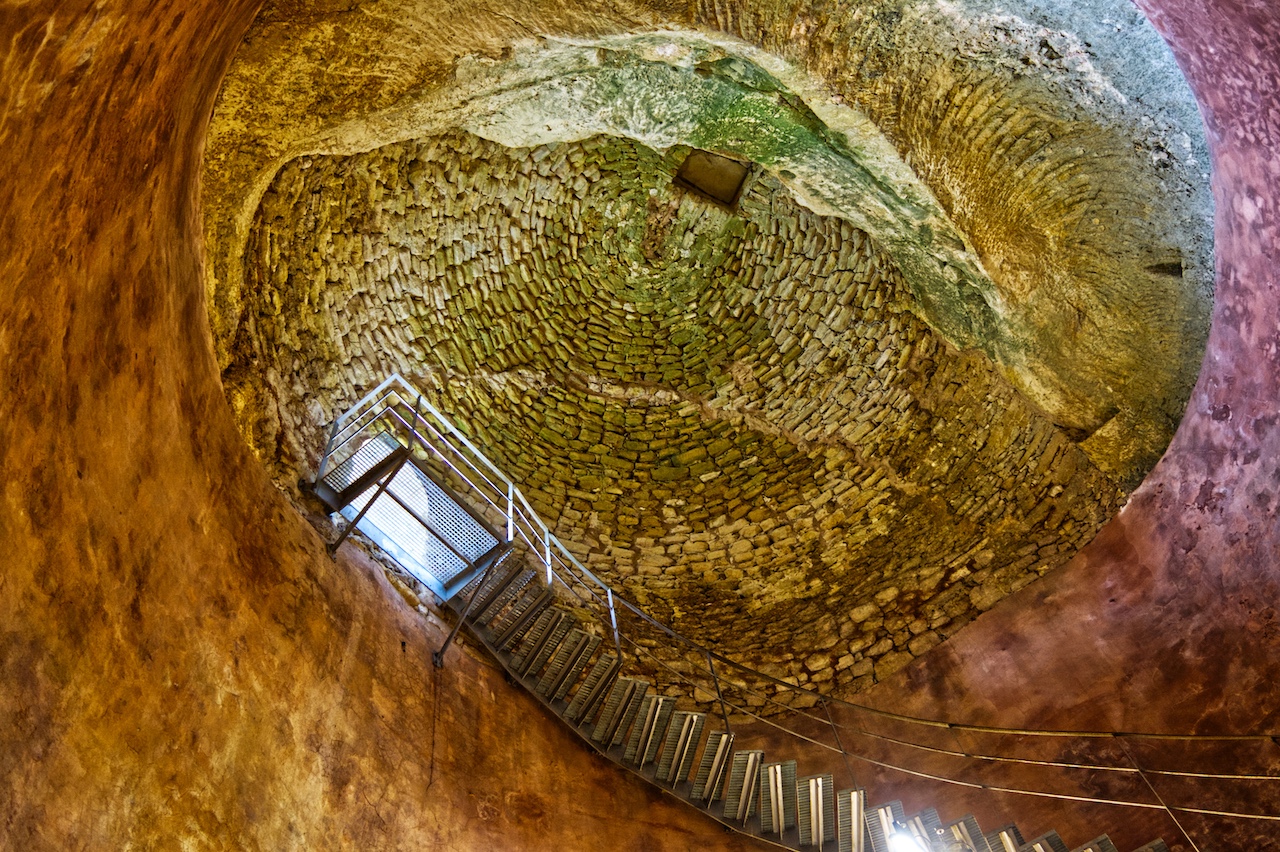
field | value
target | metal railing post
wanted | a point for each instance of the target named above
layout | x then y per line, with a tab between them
546	540
511	511
724	713
613	621
835	729
413	429
328	448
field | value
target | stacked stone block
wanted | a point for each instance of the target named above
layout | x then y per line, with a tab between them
735	417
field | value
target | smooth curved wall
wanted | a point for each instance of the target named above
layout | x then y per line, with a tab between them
184	667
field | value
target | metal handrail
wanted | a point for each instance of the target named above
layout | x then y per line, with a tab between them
523	523
571	562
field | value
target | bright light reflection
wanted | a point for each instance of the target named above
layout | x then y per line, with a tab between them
902	841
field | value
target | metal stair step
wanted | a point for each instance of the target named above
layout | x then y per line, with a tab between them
679	746
620	696
569	661
1098	844
777	797
709	779
594	688
493	605
471	588
535	636
524	613
536	639
926	821
649	729
1153	846
851	822
1007	839
551	640
968	832
627	717
816	810
740	792
575	667
924	826
550	678
881	821
1047	842
481	589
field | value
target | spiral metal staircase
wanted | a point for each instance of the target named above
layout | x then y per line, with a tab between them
652	701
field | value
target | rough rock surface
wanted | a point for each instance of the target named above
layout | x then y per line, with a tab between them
756	423
733	418
1062	145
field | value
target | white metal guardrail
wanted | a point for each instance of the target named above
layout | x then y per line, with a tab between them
398	470
396	414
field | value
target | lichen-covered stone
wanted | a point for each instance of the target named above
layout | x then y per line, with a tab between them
1037	169
737	417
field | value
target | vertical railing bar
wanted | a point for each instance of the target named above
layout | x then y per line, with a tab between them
413	430
613	622
711	666
546	538
835	729
511	511
328	448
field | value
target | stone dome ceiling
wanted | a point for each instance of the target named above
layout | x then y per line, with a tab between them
761	423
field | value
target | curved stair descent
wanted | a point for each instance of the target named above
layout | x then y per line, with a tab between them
545	649
415	486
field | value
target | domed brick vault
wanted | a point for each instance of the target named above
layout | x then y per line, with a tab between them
952	319
185	667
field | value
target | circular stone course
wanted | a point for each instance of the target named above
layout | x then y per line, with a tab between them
733	417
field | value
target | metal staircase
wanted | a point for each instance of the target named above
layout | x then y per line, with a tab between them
679	715
691	753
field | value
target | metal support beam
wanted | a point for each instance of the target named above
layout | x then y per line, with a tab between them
437	657
724	712
382	487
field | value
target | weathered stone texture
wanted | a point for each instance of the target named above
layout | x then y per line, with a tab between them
1060	141
735	418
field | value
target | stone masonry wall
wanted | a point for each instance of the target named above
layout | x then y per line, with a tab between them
735	418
